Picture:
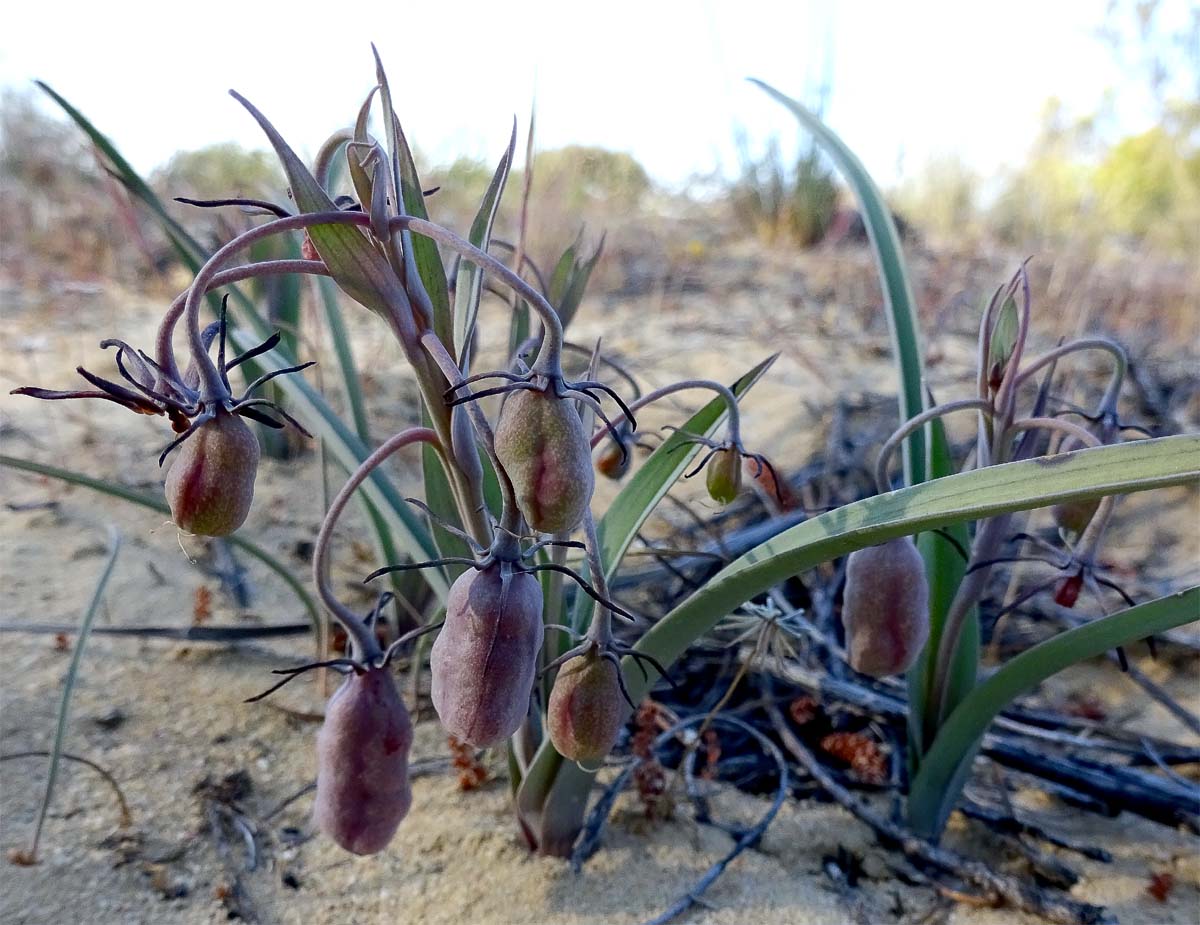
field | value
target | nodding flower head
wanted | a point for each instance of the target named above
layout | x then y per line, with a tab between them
586	709
484	659
541	443
362	762
210	484
724	476
612	457
885	608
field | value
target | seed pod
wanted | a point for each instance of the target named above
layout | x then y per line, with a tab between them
586	710
485	657
724	476
542	446
612	459
362	763
211	482
1074	516
885	608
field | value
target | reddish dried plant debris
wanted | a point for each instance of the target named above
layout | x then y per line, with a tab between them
1161	884
649	778
712	754
62	642
201	606
471	773
862	753
1086	706
803	709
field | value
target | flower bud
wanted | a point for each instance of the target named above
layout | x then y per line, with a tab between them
586	709
885	608
724	475
211	482
362	763
542	446
485	657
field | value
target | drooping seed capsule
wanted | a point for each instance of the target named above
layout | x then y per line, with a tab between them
612	458
210	485
586	709
885	608
1074	516
484	659
542	446
724	475
362	763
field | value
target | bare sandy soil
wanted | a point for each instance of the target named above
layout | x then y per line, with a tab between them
165	718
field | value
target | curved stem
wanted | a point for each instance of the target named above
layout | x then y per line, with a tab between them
510	513
885	454
209	376
364	640
731	403
984	548
1120	363
163	351
549	359
325	156
600	630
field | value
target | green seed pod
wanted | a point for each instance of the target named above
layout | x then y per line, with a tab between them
724	476
210	485
885	608
1074	516
484	659
542	446
586	710
362	763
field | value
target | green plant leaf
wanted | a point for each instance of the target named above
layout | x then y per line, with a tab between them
945	568
350	451
889	257
64	704
615	531
654	478
1035	483
936	787
469	285
423	251
355	263
159	505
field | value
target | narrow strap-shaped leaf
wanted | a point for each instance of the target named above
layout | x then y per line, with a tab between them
897	293
423	251
1091	473
933	792
159	505
469	285
353	260
581	274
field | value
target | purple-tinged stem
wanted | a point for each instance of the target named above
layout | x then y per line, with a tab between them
356	629
731	402
882	482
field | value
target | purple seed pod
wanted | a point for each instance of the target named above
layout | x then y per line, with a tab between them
724	475
210	485
586	710
362	763
485	657
885	608
541	444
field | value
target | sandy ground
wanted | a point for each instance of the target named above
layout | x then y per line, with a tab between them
164	717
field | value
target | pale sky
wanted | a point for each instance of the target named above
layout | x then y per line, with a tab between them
662	80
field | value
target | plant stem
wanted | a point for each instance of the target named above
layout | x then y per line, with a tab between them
882	482
364	640
735	419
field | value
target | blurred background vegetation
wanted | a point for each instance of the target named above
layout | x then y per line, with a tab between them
1124	207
